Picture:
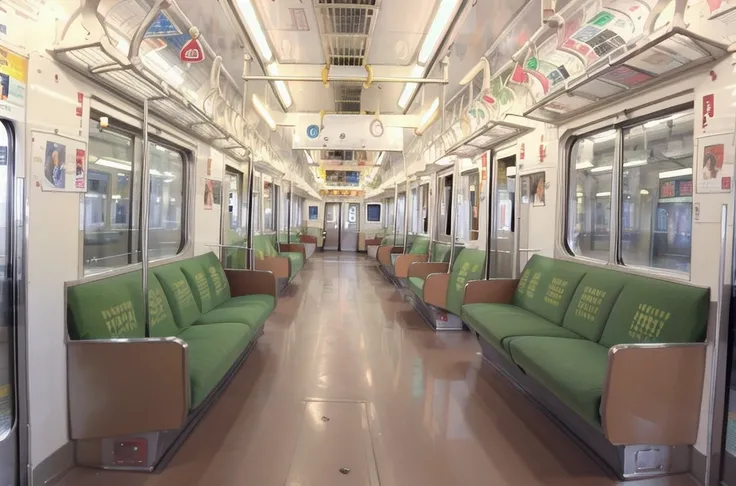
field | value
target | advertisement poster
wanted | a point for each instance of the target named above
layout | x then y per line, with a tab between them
313	212
13	78
212	193
715	163
60	163
538	186
708	108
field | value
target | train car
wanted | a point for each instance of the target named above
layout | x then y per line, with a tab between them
376	242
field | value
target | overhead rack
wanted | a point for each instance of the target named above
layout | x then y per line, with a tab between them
103	62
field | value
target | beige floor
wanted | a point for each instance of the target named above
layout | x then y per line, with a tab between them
348	376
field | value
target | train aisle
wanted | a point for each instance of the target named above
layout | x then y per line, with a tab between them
349	387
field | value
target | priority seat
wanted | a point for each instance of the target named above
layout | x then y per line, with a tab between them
624	353
203	322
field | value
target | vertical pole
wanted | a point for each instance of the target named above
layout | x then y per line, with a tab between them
250	263
288	212
491	188
145	200
396	212
407	197
431	216
453	209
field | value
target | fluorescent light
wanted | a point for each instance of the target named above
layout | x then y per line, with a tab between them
676	173
113	165
584	165
428	117
251	21
379	159
160	148
155	172
440	22
603	194
283	91
579	194
447	160
263	112
636	163
603	168
409	88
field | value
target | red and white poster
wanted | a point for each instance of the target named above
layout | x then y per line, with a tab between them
80	176
715	163
709	109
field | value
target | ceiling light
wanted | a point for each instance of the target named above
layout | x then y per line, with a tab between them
113	164
644	192
254	26
603	168
410	88
676	173
283	91
636	163
379	159
263	111
440	22
584	165
428	118
603	194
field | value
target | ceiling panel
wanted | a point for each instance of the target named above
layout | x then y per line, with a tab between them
292	29
399	30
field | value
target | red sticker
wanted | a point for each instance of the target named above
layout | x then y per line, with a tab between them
709	109
726	183
192	52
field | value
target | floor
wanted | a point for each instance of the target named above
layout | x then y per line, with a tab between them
349	387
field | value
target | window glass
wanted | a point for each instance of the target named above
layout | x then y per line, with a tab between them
268	207
391	214
373	213
424	207
589	196
110	229
257	204
657	187
165	215
400	213
414	208
474	205
444	228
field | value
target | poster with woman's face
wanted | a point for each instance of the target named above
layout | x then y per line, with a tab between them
715	152
209	197
54	169
538	189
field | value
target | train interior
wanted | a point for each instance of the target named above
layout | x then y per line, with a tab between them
375	242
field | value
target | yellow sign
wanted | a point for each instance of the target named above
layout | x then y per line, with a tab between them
13	77
340	193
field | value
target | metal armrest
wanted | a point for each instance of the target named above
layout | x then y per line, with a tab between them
294	248
494	291
422	270
251	282
435	289
279	266
652	393
403	262
127	386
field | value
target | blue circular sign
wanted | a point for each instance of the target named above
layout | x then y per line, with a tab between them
313	131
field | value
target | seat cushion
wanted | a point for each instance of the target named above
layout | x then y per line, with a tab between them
219	285
572	369
196	276
547	285
212	351
181	299
252	310
467	266
420	246
296	261
499	324
592	302
652	310
416	285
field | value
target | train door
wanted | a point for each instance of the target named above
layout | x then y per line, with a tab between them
9	469
332	226
350	228
503	203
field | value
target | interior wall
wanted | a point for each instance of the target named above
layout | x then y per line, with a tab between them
208	222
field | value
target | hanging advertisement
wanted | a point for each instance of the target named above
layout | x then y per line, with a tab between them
13	79
715	163
212	193
59	162
538	187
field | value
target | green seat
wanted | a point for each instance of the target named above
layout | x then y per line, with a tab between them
419	246
296	262
265	246
212	351
499	324
252	310
440	252
573	369
468	265
416	285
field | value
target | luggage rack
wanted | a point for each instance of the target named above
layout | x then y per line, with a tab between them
217	121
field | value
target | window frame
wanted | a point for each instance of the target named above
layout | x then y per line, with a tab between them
131	127
615	254
440	228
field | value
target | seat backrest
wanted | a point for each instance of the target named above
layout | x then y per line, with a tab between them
264	246
468	265
655	311
179	293
440	252
420	245
547	286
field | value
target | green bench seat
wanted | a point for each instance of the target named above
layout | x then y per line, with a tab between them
284	260
570	327
201	318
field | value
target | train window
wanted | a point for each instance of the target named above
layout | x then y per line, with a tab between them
655	223
424	208
268	207
166	207
400	213
657	193
373	213
589	198
473	205
444	228
257	216
391	214
414	212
